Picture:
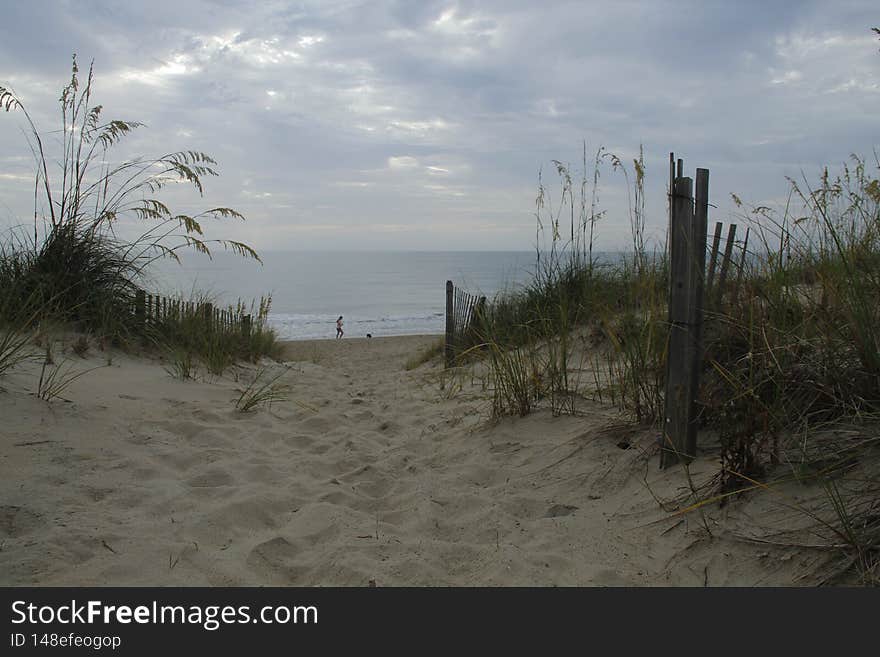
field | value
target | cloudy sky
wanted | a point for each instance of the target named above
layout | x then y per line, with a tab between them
423	125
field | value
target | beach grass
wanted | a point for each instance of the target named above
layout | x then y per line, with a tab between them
264	390
73	269
791	344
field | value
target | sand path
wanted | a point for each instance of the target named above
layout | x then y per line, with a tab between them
368	473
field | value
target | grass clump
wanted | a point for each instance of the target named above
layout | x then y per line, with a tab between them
182	365
73	268
263	390
798	345
16	335
188	335
56	378
538	339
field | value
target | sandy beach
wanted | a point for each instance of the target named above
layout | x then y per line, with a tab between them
369	474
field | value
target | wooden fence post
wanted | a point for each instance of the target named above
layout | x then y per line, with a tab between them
725	265
208	315
671	196
698	271
140	298
742	264
713	258
674	429
450	323
687	244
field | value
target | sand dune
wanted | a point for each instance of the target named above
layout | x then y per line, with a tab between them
368	473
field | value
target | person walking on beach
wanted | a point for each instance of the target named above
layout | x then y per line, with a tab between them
339	331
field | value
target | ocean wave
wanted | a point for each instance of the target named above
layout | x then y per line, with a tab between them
292	326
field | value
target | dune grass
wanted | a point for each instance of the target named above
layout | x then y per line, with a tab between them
792	349
189	338
795	340
74	268
264	390
536	338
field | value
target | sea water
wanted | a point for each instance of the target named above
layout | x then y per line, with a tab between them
380	293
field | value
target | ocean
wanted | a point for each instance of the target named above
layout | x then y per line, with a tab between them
381	293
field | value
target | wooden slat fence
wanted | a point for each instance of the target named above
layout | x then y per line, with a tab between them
733	263
154	309
462	312
693	289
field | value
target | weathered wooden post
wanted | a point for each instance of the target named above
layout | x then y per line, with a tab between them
725	265
687	244
742	264
697	275
246	324
140	299
678	359
208	315
670	195
713	258
450	323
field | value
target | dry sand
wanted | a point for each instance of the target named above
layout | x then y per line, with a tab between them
368	473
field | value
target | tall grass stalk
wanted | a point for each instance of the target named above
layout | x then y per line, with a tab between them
536	337
56	378
263	390
73	265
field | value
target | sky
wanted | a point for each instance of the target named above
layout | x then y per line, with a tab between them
399	125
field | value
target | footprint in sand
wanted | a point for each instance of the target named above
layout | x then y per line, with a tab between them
274	550
319	425
17	521
275	558
299	441
211	479
389	428
144	473
96	494
376	489
505	448
180	460
320	449
559	510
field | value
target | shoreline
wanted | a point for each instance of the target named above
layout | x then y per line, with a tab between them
380	338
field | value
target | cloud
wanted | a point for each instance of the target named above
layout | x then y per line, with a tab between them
402	162
351	115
